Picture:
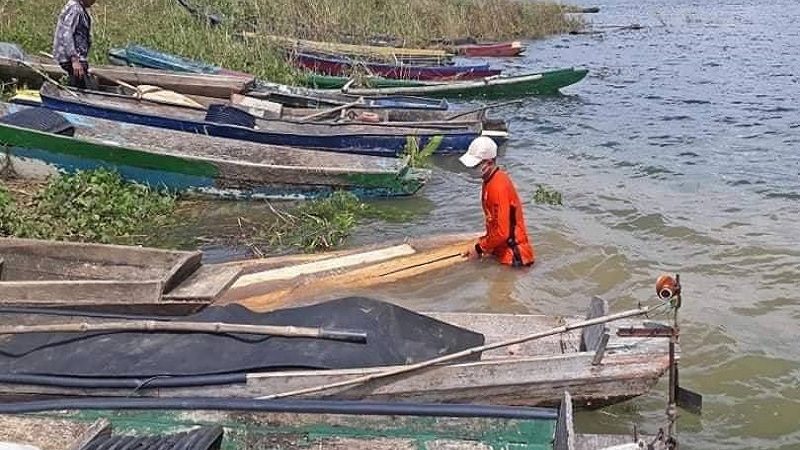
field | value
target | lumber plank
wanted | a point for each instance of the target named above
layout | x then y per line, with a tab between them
205	284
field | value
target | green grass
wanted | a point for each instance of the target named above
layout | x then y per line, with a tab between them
91	206
164	25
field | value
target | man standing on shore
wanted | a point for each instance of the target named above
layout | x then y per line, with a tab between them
72	41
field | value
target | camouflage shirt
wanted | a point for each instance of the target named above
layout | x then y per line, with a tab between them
73	36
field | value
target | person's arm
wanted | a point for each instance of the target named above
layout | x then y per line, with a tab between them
498	227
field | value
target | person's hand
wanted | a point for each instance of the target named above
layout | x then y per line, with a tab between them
77	69
471	254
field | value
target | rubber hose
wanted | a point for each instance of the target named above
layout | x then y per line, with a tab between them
124	383
345	407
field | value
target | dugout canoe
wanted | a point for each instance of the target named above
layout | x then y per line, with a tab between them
211	85
331	65
494	49
543	83
597	371
193	162
367	139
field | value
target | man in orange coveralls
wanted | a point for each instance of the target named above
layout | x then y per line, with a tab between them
506	236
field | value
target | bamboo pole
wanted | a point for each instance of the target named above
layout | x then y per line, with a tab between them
200	327
462	354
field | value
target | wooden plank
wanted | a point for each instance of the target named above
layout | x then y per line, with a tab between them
100	428
271	295
73	293
565	426
1	268
205	284
591	336
601	349
325	265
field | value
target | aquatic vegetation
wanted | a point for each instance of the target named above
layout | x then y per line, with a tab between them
421	157
547	195
314	225
90	206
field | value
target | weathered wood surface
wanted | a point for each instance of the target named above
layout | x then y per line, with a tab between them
42	432
80	292
32	259
51	273
217	86
565	430
528	375
342	276
206	284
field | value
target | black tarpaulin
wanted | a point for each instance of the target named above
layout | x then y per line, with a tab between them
394	336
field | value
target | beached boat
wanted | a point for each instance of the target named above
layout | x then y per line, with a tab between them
234	123
29	70
128	279
292	425
544	83
495	49
371	52
598	366
64	274
289	95
331	65
195	163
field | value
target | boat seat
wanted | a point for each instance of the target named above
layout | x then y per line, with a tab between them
40	119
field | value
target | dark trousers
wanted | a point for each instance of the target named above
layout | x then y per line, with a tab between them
74	81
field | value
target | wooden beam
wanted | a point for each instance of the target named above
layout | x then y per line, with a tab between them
565	426
601	349
84	292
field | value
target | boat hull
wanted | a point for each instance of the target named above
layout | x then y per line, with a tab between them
381	142
344	67
499	50
225	177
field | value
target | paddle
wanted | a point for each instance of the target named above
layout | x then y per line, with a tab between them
200	327
483	108
464	353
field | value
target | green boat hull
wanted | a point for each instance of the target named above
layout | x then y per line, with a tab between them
548	83
288	431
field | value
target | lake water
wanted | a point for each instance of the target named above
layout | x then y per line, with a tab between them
680	152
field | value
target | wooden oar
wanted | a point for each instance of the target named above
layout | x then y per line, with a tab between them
483	108
200	327
326	112
464	353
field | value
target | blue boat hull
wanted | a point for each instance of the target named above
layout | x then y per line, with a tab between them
366	144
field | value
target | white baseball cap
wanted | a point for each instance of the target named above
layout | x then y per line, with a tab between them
481	149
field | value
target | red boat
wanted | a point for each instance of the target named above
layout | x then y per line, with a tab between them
498	49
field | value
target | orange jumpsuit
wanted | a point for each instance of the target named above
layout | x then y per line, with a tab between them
499	198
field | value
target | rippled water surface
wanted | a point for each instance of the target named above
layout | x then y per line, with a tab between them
679	152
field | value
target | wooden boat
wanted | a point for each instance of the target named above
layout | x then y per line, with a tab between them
543	83
483	428
372	52
496	49
329	65
371	139
64	274
221	86
288	95
596	371
198	163
137	55
302	97
119	279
